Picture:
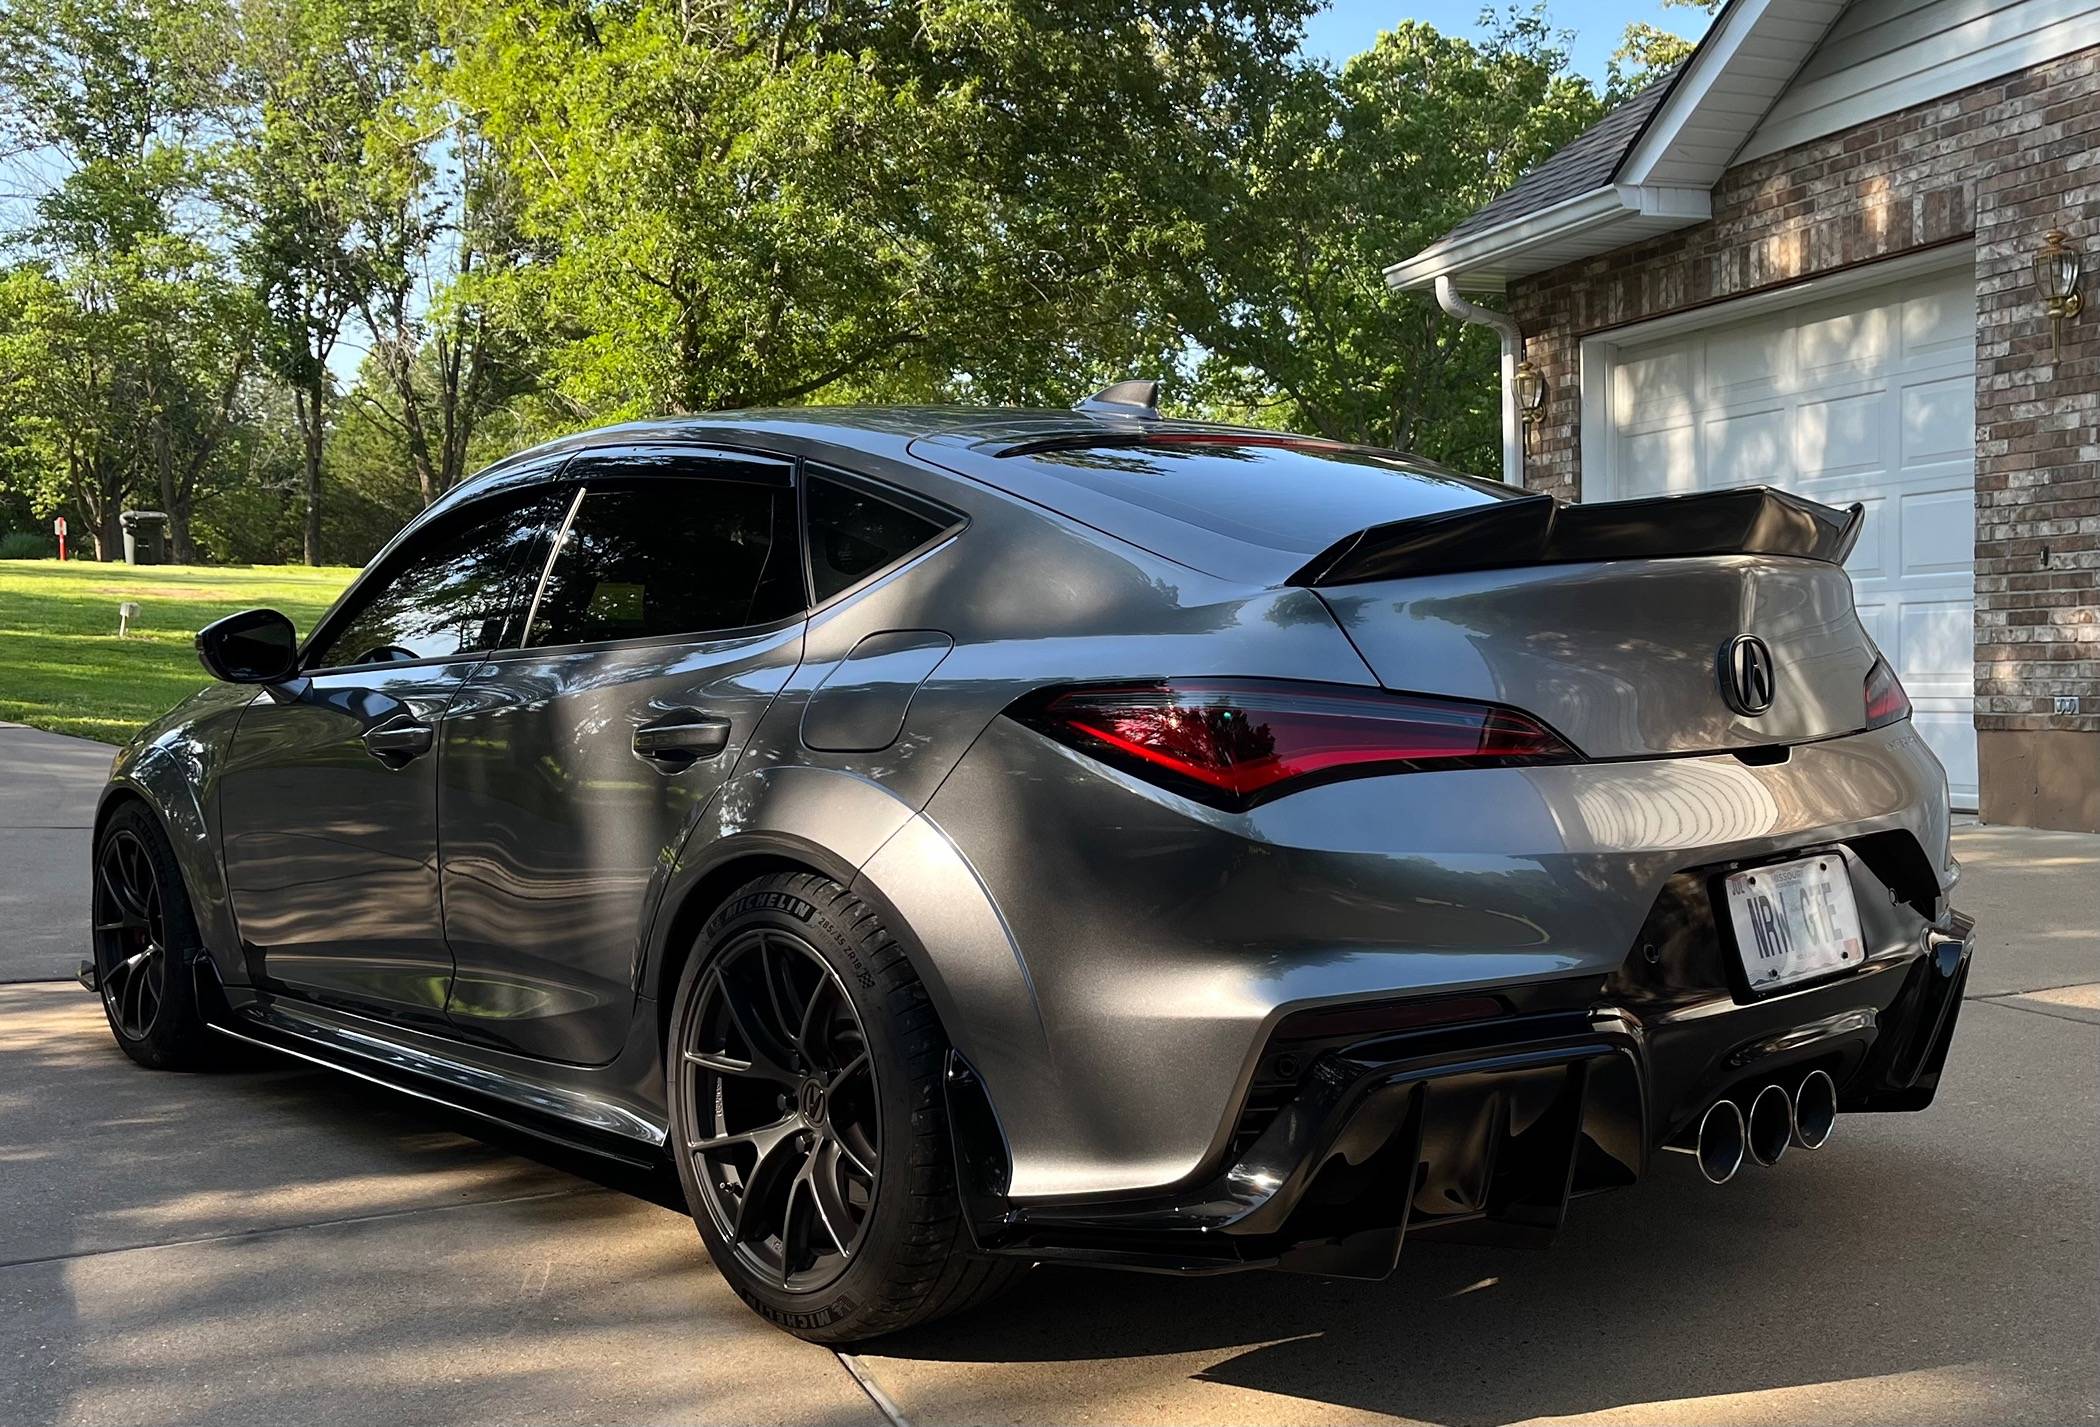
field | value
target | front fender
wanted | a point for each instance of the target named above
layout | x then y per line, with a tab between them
171	766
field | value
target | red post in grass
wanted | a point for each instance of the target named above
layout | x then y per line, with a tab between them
58	528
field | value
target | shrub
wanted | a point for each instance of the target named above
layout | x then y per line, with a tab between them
27	545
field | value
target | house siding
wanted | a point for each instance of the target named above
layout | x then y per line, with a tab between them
1999	163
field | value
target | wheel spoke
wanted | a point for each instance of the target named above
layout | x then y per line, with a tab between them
130	913
776	1161
852	1157
810	1181
768	1058
803	1042
791	1196
775	974
850	1069
765	1137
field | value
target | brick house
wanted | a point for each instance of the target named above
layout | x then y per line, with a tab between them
1807	258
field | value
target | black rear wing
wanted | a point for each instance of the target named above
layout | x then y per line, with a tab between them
1539	530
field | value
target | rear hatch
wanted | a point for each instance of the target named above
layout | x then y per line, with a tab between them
1611	621
1624	658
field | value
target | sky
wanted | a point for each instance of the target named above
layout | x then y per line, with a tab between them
1348	26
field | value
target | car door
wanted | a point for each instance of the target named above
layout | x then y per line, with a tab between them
328	795
669	615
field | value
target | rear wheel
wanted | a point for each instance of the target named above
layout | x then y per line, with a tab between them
146	941
807	1119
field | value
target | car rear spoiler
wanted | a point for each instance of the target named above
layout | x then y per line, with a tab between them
1540	530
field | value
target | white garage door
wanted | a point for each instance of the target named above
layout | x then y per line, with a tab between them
1870	397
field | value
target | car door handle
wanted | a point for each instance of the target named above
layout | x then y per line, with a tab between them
398	740
681	738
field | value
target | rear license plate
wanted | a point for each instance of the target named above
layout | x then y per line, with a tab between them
1794	920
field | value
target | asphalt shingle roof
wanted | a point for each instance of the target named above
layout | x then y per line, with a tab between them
1586	162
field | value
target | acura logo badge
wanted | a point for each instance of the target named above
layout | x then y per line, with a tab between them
1746	674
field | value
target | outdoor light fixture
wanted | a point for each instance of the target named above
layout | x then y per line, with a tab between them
2056	270
1530	386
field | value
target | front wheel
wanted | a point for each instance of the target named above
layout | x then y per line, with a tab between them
146	943
804	1070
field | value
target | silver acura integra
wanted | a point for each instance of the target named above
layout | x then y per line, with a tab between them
958	840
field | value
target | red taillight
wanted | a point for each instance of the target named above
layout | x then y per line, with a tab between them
1236	742
1886	701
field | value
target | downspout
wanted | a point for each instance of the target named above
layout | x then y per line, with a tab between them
1512	347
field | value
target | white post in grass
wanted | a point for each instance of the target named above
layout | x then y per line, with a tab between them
126	613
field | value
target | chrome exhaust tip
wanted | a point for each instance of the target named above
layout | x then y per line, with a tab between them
1718	1143
1815	1110
1770	1126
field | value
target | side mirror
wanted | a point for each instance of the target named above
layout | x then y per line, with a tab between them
256	646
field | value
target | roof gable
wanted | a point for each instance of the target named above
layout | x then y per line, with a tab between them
1646	168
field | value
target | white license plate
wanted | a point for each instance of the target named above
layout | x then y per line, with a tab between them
1794	920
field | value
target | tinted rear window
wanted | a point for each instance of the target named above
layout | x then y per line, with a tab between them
853	533
1294	498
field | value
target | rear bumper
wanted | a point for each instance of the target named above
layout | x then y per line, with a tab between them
1490	1129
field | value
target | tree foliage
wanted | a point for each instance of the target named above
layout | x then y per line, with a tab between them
295	267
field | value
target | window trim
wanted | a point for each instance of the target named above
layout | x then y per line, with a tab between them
612	479
384	566
910	502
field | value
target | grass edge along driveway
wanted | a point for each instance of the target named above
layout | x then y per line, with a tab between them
63	666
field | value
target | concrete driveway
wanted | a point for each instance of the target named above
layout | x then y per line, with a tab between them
281	1244
48	785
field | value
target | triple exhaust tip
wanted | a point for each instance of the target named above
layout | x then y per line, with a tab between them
1777	1119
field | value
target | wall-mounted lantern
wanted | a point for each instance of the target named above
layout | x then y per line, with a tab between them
2056	271
1530	387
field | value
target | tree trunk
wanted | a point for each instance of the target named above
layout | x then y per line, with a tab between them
172	499
309	406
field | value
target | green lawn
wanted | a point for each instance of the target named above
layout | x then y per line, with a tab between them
63	667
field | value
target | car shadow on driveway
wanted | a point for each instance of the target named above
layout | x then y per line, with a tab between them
1925	1267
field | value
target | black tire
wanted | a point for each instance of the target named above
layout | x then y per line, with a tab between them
146	945
899	1252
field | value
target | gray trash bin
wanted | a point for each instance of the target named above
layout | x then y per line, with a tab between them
143	530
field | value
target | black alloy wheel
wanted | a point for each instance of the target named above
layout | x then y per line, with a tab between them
784	1113
145	941
131	935
805	1075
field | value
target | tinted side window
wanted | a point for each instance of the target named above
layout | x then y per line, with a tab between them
449	590
853	534
669	557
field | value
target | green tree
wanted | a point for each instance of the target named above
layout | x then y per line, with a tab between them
1280	288
1648	52
318	80
755	201
109	384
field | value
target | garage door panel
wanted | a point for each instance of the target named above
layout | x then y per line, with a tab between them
1867	398
1935	653
1938	533
1871	557
1939	419
1854	341
1841	435
1940	322
1654	391
1660	462
1746	364
1748	447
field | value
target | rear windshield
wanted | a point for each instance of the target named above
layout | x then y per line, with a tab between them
1297	498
